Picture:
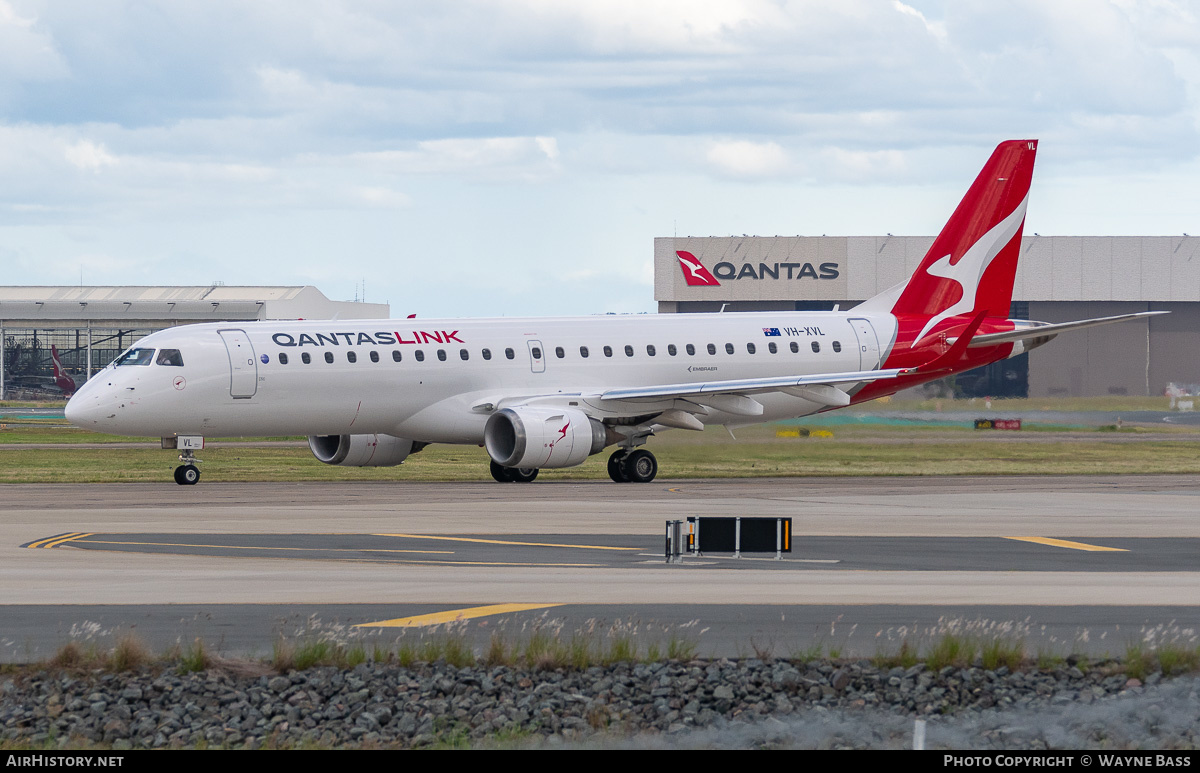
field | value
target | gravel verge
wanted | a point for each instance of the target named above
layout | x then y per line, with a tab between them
697	704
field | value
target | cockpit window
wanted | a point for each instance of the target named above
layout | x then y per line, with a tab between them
170	357
135	357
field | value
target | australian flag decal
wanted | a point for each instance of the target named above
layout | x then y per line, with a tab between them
770	331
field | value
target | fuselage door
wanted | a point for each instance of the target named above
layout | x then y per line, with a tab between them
537	356
868	344
243	369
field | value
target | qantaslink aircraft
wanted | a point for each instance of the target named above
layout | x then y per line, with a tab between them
550	392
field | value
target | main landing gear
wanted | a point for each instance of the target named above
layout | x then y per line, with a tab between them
638	466
513	474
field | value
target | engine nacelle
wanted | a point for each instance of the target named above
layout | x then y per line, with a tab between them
538	437
360	450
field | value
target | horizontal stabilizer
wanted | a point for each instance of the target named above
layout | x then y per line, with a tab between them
1039	330
957	348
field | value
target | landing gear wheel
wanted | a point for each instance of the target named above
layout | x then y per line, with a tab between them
639	467
187	475
614	467
504	474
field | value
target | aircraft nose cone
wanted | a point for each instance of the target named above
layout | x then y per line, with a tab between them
84	409
74	411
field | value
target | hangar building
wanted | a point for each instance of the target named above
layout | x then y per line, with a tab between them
1059	279
90	326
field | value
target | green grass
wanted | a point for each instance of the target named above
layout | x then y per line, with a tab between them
712	454
1021	404
855	449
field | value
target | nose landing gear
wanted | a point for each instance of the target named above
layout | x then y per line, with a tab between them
187	474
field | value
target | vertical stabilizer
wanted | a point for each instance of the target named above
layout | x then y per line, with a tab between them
972	263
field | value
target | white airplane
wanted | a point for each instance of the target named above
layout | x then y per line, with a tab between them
548	393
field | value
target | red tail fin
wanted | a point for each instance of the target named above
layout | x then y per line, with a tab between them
973	261
61	379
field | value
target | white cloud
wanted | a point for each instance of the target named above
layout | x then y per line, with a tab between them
492	158
741	158
26	52
863	166
384	198
89	156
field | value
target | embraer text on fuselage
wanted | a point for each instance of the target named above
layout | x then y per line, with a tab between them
382	338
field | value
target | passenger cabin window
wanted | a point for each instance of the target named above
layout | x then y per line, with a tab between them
750	348
650	349
608	351
816	346
729	348
536	352
442	354
671	350
583	352
464	354
351	357
628	350
329	357
559	353
305	358
396	356
712	348
509	353
283	358
135	357
772	348
420	355
374	356
487	354
691	349
837	346
170	357
795	347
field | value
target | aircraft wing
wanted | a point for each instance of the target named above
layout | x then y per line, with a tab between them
742	386
1041	330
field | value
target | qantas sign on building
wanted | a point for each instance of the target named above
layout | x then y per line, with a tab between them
747	268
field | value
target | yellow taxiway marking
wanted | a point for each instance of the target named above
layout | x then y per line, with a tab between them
251	547
1062	543
61	539
505	542
411	561
453	615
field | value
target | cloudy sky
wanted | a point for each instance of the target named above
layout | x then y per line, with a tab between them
516	157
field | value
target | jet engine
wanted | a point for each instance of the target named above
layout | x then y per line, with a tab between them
539	436
360	450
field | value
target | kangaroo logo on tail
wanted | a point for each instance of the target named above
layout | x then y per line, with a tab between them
970	267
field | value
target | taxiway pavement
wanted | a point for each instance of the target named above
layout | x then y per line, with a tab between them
877	550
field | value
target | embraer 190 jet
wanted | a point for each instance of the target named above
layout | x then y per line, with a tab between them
549	393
